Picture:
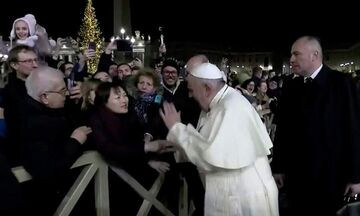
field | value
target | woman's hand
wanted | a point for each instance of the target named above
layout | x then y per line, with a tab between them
159	146
160	166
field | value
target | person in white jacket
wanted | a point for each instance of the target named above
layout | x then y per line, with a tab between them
230	145
25	30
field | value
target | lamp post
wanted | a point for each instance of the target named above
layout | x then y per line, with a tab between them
122	32
69	50
138	46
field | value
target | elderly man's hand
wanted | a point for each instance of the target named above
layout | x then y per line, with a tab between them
160	166
169	115
81	133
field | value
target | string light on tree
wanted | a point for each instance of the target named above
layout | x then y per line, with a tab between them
90	33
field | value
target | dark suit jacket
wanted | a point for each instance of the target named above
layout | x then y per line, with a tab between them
317	141
49	153
49	150
14	100
11	200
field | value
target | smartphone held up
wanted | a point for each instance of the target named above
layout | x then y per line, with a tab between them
92	46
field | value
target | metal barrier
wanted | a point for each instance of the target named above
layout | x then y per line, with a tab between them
96	167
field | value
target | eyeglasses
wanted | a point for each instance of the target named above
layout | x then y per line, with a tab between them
173	73
61	92
29	61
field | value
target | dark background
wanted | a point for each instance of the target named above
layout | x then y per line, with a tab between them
231	25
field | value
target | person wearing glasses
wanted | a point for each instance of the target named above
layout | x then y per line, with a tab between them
51	142
21	62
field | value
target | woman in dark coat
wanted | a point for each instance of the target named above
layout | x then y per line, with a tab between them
119	137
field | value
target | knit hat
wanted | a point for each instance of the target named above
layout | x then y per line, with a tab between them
171	62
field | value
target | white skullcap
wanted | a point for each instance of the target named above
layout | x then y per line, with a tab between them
208	71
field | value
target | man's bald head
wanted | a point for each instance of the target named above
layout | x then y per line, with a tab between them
195	61
41	80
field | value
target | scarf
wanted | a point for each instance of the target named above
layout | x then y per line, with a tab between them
142	104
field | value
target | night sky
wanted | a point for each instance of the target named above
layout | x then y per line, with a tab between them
258	24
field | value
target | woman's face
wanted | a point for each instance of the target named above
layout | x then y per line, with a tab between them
118	101
21	29
91	97
146	85
263	87
250	87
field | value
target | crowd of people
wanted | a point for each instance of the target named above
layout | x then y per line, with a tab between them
194	124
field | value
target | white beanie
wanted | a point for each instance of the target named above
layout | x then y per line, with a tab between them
208	71
30	20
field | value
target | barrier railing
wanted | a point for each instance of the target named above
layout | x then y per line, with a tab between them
96	167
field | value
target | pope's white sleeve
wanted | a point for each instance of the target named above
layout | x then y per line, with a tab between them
192	142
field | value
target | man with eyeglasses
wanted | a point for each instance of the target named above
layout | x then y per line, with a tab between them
51	142
21	62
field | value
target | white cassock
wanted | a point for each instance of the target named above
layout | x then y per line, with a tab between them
231	148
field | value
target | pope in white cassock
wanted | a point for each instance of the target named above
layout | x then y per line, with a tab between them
230	145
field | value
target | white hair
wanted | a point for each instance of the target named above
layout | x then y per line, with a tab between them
42	79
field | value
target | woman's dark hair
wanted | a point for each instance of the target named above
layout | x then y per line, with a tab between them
246	83
103	91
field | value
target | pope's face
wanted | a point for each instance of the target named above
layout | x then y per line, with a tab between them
197	90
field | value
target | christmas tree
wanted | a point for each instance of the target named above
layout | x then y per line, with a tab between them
90	34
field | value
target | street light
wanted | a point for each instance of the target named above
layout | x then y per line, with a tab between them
122	32
132	40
